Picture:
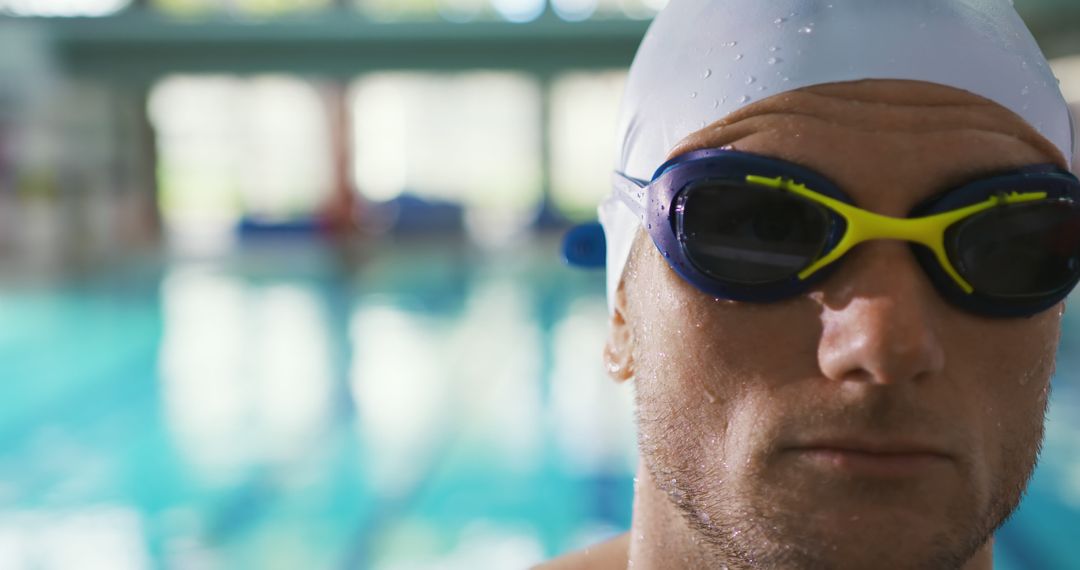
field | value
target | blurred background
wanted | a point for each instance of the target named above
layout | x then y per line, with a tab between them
280	286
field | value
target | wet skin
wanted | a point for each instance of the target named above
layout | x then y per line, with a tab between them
864	424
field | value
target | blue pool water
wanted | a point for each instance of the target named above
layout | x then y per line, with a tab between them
424	406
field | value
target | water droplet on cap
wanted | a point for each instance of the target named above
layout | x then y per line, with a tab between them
693	95
1026	90
750	79
706	74
774	49
716	104
774	60
807	29
738	56
744	98
779	21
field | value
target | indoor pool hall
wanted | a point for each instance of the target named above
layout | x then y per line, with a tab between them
283	283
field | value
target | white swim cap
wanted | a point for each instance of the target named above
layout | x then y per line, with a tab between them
703	59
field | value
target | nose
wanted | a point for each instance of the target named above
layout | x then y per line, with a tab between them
880	319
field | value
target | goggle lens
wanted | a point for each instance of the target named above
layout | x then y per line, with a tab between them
1019	251
749	235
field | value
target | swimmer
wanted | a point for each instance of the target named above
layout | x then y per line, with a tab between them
838	247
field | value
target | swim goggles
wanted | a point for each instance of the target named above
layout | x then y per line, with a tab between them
746	227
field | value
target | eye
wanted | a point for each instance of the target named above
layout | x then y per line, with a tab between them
748	234
1019	251
774	226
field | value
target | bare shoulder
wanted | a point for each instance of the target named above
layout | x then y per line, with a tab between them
613	554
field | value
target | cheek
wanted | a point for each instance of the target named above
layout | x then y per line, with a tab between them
1007	393
704	366
1016	361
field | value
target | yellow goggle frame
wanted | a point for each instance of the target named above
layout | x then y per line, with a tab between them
864	225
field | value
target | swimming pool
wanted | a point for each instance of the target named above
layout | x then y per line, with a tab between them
429	406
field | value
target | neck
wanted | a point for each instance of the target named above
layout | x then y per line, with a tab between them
661	539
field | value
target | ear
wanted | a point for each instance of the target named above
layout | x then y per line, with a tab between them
618	351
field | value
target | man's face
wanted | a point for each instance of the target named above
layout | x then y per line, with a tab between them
742	407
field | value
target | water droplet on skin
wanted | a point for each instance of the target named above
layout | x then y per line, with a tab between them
750	79
774	60
710	396
807	29
706	74
738	57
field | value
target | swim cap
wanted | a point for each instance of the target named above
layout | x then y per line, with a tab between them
703	59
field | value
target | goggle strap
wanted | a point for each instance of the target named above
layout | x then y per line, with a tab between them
632	192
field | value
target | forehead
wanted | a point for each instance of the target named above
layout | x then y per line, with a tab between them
888	144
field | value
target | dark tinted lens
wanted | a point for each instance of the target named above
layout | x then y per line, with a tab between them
746	234
1025	250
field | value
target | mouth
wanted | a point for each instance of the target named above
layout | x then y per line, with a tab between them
880	459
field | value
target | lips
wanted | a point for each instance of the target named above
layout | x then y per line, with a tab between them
872	458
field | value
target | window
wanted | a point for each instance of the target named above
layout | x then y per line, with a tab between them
584	112
62	8
228	150
470	138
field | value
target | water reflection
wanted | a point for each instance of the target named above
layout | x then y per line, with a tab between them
246	373
402	394
106	536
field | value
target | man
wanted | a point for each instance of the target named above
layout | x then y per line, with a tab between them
840	303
